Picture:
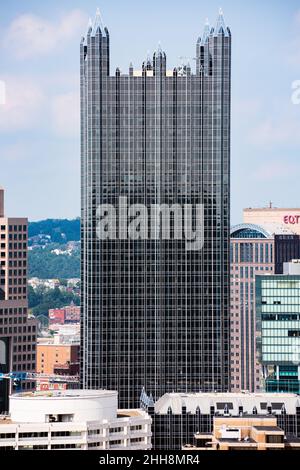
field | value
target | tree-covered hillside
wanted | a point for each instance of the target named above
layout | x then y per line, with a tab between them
51	254
59	230
46	265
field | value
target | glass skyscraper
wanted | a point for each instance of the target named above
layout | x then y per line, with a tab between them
155	316
278	325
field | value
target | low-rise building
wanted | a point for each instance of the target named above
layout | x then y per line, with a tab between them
50	355
72	313
177	417
56	316
244	433
67	314
73	419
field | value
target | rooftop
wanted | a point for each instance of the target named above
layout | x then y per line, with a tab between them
268	428
5	420
249	440
63	394
229	402
266	209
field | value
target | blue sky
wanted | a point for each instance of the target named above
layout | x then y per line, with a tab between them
39	124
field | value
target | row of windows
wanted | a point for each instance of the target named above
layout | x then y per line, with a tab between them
248	252
14	263
13	246
15	236
16	228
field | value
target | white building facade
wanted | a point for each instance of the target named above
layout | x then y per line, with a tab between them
73	419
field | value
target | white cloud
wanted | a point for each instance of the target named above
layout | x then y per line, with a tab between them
23	104
66	114
29	35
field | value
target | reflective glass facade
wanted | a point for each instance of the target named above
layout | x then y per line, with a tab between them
155	315
287	247
278	323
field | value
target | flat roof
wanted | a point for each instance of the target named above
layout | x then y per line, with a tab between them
205	400
236	440
269	428
63	394
5	420
264	209
129	413
203	435
57	345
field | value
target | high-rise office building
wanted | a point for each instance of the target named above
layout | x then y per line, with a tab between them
278	325
251	253
154	314
17	332
286	247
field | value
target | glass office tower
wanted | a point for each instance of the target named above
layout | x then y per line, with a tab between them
278	324
154	315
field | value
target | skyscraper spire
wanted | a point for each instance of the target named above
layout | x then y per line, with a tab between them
90	26
148	62
205	32
98	24
221	25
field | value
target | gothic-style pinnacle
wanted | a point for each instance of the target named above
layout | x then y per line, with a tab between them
90	26
98	24
221	26
206	32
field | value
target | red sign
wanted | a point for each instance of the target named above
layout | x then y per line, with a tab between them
291	219
45	385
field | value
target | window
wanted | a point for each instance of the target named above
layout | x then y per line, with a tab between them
115	443
24	435
294	333
274	438
115	430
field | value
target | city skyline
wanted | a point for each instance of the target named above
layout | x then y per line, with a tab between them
40	123
150	228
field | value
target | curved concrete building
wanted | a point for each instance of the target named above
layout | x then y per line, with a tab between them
73	419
